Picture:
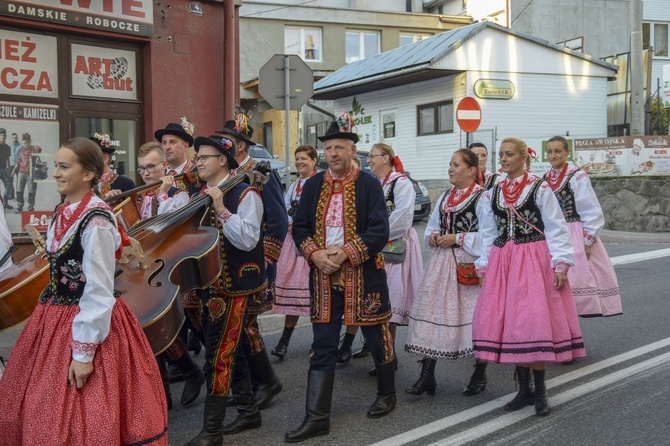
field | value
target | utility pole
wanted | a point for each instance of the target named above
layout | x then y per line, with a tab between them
636	70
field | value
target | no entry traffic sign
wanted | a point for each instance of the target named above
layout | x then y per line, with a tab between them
468	114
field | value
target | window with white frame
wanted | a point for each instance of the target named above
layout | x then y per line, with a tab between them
435	118
406	39
656	35
361	45
305	42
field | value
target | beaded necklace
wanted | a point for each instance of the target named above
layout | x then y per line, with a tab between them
62	223
453	201
556	183
512	190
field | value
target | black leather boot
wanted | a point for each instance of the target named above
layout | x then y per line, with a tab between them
263	375
477	381
248	414
317	407
525	396
280	350
212	430
193	343
174	375
193	379
344	354
386	397
541	404
426	381
373	370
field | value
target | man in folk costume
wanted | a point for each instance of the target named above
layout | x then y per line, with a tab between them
238	215
275	227
166	198
111	183
340	227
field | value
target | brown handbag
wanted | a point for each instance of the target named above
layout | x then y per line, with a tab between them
466	274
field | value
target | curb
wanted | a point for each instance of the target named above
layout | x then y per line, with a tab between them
609	236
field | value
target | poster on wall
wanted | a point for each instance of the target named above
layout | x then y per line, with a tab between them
28	64
624	156
100	72
31	141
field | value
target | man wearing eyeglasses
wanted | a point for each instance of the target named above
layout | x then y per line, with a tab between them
165	199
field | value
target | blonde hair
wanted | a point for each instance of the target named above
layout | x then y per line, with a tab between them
149	147
385	149
520	147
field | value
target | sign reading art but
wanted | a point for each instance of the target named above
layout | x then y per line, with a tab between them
120	16
624	156
103	72
28	64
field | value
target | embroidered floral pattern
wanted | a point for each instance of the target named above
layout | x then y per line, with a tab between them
86	349
523	226
372	302
562	267
72	274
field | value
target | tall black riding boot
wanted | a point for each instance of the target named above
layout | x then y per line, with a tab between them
248	414
212	430
477	381
386	397
317	407
525	396
541	404
263	374
426	381
344	353
280	350
193	378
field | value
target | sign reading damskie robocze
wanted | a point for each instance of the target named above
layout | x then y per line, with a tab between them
120	16
28	64
103	72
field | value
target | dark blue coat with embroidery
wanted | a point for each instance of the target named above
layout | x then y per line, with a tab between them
366	231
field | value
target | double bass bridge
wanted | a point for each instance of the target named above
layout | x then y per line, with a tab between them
134	250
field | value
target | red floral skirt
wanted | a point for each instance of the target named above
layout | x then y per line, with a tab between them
122	403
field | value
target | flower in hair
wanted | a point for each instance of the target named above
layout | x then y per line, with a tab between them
532	153
187	126
241	123
345	122
105	140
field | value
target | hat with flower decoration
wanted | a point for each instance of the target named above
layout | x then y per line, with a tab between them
222	144
183	130
342	128
104	141
239	128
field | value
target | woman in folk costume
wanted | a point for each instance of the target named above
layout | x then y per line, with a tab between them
82	371
292	283
593	280
525	314
490	178
440	324
403	275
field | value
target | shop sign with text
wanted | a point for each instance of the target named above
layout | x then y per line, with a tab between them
494	89
103	72
120	16
28	64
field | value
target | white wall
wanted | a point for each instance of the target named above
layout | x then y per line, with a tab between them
657	11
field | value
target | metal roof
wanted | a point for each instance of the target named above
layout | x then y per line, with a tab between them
395	67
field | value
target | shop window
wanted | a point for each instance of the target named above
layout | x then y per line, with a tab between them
656	35
267	135
361	45
305	42
406	39
435	118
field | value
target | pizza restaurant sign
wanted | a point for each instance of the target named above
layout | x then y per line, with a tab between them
103	72
624	155
120	16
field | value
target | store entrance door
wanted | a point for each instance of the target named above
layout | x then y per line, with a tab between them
122	132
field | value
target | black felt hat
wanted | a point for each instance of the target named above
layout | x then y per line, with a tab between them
239	128
342	128
104	141
222	144
177	130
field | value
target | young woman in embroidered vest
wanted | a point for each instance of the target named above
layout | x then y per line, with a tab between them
525	314
292	283
592	280
490	179
403	278
82	372
440	324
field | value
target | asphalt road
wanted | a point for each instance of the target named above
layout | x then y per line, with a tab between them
617	395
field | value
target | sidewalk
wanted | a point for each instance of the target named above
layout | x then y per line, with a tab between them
608	236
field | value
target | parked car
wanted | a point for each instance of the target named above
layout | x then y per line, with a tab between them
422	203
260	153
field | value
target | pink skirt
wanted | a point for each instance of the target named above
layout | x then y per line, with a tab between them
440	325
122	402
404	279
520	316
292	282
593	281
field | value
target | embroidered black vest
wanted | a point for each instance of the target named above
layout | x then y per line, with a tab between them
66	274
522	232
390	197
242	272
566	198
462	220
491	181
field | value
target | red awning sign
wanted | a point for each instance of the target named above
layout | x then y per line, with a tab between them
468	114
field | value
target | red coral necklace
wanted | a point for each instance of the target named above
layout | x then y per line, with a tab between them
62	223
453	201
512	190
555	184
